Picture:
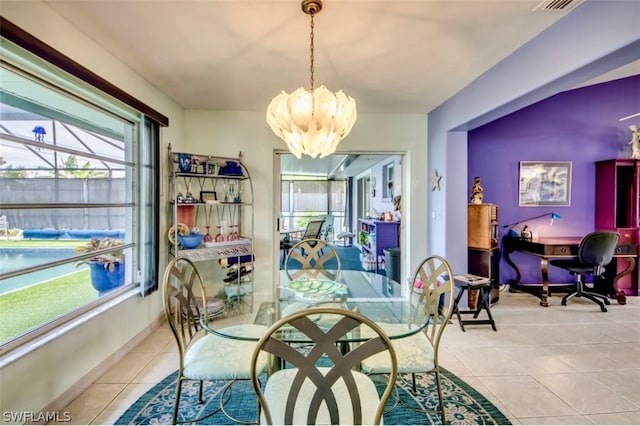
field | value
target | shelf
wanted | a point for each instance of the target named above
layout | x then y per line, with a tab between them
208	177
221	203
204	175
221	250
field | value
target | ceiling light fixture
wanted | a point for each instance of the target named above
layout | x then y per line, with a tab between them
312	122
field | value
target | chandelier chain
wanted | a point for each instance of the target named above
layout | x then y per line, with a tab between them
311	68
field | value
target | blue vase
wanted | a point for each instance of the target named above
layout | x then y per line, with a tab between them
103	280
184	162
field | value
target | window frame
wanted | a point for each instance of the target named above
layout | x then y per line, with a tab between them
144	244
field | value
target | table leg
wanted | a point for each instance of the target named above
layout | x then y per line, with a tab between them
620	296
514	266
544	268
515	283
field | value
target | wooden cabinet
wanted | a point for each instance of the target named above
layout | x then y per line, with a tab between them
215	195
374	236
618	208
482	242
482	226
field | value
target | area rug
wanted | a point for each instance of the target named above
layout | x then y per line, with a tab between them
463	404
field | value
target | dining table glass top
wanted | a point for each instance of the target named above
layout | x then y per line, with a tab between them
375	296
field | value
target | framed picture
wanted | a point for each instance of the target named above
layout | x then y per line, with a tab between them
545	183
208	196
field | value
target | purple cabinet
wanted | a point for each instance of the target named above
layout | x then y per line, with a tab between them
618	209
375	236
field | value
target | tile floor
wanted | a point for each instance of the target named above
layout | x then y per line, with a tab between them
556	365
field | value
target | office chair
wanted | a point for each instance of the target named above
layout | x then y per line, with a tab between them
594	253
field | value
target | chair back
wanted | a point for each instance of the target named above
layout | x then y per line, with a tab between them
433	297
323	386
597	249
327	227
310	258
313	228
181	288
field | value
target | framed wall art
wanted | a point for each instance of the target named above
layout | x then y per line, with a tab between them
545	183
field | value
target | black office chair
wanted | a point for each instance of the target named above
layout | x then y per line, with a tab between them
594	253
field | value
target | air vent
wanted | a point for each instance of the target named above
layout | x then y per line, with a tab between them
561	5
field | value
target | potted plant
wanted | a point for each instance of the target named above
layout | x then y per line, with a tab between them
107	269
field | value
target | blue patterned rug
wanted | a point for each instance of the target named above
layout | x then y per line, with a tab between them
464	405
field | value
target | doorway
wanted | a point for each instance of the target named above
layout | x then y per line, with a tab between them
348	186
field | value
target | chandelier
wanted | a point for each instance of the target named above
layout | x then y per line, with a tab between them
312	122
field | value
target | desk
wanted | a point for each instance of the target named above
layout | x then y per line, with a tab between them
558	247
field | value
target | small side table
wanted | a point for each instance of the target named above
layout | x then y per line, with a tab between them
466	282
344	236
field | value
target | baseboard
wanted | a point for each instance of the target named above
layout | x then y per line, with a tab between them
83	384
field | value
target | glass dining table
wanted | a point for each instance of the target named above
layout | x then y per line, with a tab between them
375	296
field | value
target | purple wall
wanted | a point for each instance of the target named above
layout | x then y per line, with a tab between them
580	126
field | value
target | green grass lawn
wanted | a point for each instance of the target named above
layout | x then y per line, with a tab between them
30	307
24	309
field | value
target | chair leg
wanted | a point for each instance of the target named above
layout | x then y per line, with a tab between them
580	292
440	397
176	402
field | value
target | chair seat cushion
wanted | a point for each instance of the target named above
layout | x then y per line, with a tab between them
572	265
279	386
414	353
213	357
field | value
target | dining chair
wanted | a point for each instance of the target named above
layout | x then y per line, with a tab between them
309	259
202	355
313	258
595	252
320	384
432	303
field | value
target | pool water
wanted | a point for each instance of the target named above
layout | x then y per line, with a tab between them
12	259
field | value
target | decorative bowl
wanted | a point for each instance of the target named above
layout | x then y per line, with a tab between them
190	241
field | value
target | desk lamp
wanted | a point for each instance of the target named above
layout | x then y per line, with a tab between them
526	234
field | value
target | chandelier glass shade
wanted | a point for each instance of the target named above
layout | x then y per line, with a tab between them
312	122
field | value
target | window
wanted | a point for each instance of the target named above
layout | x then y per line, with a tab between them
387	181
303	198
77	167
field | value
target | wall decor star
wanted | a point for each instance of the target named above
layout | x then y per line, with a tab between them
435	181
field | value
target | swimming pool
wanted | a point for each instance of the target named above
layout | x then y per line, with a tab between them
12	259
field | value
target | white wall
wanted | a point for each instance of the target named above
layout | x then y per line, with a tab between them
49	373
377	202
226	133
46	374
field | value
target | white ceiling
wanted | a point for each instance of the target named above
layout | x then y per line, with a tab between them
391	56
